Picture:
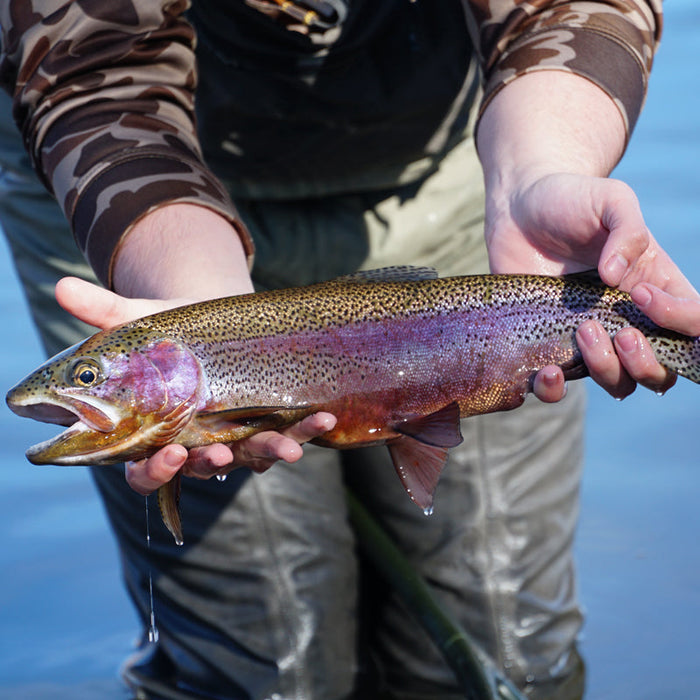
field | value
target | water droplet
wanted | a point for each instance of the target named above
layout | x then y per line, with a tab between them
153	629
428	510
659	393
221	477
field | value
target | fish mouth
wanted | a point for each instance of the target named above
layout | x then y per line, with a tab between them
89	420
49	451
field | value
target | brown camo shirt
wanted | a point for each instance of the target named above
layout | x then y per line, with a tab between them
104	92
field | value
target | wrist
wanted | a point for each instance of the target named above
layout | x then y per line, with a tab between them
546	123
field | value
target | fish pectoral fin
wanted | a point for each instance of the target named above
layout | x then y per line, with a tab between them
241	413
419	467
440	429
234	424
169	505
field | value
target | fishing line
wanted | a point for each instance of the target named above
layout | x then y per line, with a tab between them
153	629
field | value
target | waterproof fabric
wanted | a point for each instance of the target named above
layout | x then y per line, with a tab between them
268	597
380	98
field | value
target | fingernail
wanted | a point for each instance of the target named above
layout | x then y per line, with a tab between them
641	296
626	341
173	458
551	377
588	335
615	269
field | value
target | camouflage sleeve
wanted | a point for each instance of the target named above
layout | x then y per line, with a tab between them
610	42
103	95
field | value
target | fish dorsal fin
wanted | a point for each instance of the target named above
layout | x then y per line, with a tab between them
398	273
419	467
440	429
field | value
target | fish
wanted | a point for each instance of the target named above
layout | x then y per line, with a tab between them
398	355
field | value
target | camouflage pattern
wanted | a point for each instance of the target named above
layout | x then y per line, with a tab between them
103	95
104	92
610	43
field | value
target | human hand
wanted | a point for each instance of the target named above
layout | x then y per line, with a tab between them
104	309
562	223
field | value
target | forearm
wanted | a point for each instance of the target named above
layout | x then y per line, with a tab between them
105	103
181	251
610	42
543	123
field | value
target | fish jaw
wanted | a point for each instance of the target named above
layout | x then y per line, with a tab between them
63	408
98	432
90	420
81	445
140	400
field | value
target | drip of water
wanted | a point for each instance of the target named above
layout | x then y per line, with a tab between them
221	477
153	629
428	510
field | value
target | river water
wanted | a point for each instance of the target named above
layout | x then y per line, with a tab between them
65	622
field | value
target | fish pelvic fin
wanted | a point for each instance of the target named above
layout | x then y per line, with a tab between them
419	455
440	428
169	505
419	467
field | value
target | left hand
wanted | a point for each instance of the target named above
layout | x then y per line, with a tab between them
104	309
562	223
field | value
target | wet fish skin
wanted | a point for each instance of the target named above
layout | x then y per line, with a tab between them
398	356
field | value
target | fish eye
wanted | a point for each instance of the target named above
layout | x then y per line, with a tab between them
85	373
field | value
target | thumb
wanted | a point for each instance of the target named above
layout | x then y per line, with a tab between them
628	236
99	307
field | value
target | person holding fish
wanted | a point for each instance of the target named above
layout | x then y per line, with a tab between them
467	137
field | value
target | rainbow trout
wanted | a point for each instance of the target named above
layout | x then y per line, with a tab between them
397	355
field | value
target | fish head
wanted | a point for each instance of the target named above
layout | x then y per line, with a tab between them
122	394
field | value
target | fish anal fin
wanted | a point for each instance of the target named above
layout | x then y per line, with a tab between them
419	467
440	429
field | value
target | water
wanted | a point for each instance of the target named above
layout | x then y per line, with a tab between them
638	560
65	623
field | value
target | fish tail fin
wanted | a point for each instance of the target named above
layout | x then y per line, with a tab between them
679	353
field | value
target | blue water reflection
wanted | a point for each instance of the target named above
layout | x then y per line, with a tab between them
638	560
65	623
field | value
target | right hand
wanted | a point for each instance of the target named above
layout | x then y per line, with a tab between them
104	309
567	223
